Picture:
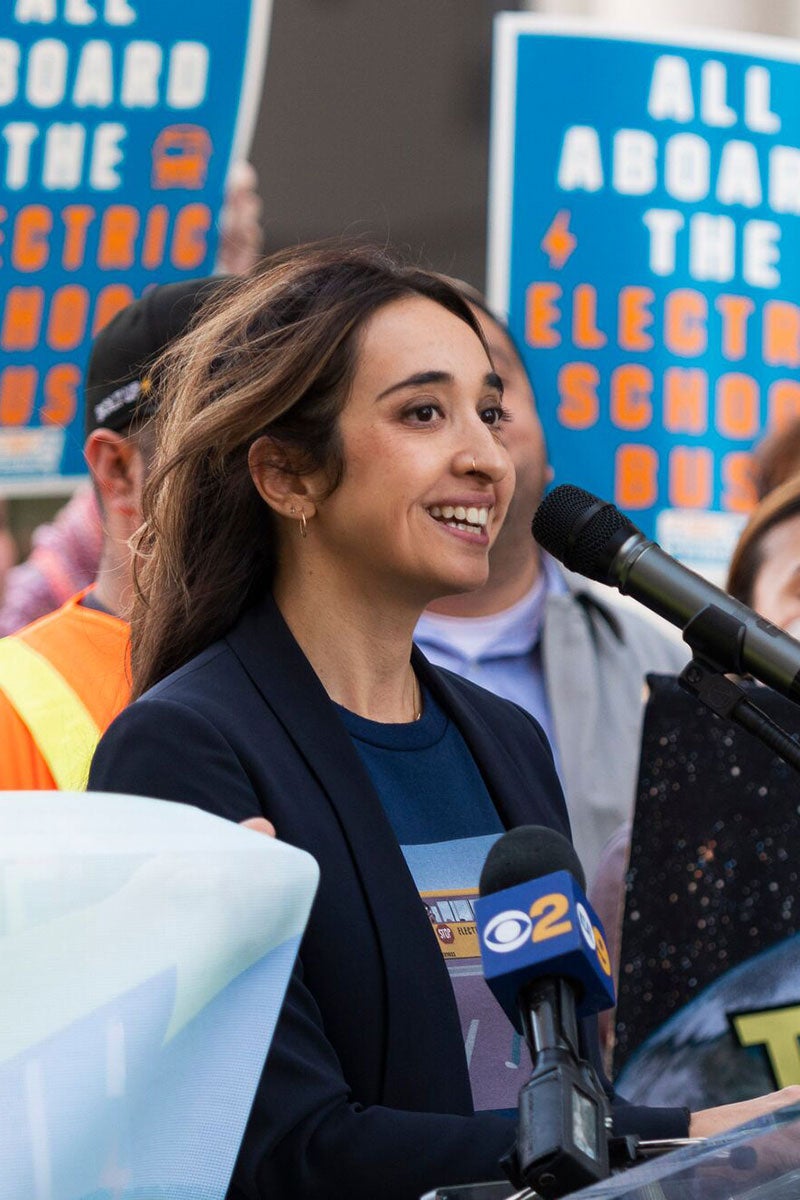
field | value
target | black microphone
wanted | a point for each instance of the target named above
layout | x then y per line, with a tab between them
545	959
592	537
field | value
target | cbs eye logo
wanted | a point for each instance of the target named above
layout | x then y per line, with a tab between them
507	931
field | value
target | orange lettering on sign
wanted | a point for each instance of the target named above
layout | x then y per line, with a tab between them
22	320
738	404
635	476
781	334
31	245
541	314
631	389
690	477
69	313
685	322
585	334
117	249
155	237
189	242
17	393
783	403
578	405
685	400
110	300
738	488
734	311
61	394
77	219
635	317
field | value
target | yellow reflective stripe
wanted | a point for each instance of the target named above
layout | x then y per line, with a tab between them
58	720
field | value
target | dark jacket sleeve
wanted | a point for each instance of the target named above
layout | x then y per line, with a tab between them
648	1123
306	1137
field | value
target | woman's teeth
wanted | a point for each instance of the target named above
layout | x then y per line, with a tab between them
471	520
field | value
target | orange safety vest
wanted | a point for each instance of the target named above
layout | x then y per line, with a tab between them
63	679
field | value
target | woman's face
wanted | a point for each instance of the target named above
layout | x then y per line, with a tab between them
411	515
776	590
523	438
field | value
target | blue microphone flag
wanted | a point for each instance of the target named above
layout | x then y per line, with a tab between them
543	928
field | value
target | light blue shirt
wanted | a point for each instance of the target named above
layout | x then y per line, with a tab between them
501	652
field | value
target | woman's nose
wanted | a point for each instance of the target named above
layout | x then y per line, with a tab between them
484	456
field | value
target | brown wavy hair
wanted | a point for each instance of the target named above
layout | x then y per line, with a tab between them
273	355
747	559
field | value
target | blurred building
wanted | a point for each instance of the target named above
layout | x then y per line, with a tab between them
375	121
375	115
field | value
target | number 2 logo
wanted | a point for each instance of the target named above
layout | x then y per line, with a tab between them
547	913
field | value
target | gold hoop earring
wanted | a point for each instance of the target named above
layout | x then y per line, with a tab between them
303	524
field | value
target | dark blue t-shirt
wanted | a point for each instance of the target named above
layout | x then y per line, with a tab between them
445	821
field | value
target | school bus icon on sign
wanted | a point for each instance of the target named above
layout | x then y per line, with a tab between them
181	154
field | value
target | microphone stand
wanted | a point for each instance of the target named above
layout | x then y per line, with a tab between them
564	1118
715	637
624	1152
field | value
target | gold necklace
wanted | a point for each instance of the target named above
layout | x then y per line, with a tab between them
417	696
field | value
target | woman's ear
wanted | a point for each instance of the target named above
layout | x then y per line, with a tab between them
278	481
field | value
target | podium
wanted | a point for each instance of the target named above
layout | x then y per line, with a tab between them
758	1161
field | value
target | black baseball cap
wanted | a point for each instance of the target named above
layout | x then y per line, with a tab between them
118	385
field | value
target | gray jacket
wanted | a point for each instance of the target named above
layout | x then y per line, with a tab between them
596	655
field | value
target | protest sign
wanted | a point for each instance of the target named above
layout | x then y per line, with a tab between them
119	121
645	245
146	948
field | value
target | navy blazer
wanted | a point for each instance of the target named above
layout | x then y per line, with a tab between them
366	1091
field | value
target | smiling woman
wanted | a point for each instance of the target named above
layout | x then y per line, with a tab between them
331	460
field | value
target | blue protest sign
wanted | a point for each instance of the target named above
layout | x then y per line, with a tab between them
148	947
645	244
120	120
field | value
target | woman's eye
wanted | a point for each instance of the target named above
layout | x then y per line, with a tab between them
424	412
494	414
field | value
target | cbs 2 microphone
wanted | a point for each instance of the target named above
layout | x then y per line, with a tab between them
545	959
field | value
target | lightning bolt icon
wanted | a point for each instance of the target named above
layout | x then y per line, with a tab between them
558	243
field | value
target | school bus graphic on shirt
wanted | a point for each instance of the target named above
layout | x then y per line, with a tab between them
497	1058
452	915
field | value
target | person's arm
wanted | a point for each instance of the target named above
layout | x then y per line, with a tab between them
307	1136
241	231
64	559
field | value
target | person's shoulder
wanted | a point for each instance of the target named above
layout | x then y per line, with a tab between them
193	704
210	686
629	629
659	648
194	677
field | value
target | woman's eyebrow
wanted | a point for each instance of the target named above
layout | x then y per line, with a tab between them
421	378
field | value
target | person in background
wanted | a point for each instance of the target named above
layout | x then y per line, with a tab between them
66	551
546	639
764	571
320	432
8	547
776	458
64	557
64	677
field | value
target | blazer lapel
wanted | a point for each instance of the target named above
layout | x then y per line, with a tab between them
283	675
